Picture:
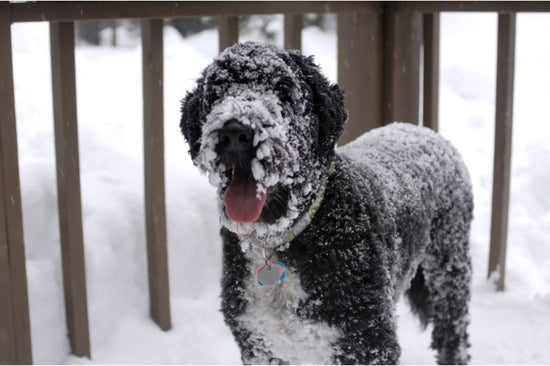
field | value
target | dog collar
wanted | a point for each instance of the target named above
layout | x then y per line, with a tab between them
302	223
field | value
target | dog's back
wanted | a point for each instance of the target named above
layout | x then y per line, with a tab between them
405	158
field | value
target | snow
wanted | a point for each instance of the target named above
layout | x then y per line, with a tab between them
509	327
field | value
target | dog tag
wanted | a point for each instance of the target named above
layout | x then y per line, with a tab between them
270	274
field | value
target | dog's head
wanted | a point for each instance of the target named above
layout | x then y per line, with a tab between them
263	123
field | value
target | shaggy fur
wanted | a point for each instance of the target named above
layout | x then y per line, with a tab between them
395	217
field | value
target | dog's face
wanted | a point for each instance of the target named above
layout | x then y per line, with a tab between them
262	123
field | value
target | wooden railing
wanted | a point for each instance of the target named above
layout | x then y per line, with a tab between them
379	47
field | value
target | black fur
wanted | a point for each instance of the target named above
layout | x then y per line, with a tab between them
418	295
395	219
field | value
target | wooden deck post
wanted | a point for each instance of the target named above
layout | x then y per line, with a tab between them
15	341
153	148
403	38
503	145
293	31
15	338
360	70
431	71
228	31
68	185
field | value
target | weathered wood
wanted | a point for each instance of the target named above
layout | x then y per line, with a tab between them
431	71
68	11
293	31
474	6
403	37
8	347
15	338
228	31
153	147
68	185
360	50
503	145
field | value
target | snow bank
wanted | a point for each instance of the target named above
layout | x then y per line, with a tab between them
506	327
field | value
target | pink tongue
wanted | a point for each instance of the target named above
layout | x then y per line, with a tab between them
241	202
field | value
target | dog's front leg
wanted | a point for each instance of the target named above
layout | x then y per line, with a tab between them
236	271
369	328
359	302
369	342
252	349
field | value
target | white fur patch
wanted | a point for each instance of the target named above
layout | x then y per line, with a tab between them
271	318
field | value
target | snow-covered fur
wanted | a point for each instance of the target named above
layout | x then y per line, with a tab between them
394	219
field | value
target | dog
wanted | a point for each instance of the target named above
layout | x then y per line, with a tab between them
319	242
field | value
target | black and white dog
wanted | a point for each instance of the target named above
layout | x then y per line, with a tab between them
320	243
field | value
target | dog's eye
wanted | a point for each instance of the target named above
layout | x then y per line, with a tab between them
282	85
284	89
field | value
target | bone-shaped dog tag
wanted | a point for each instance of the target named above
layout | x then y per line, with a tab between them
270	274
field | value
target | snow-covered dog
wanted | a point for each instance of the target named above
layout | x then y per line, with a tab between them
319	244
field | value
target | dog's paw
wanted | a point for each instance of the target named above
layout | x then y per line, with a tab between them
277	361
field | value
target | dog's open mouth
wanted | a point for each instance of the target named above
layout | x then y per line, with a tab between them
243	203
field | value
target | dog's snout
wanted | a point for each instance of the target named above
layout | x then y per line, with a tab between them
235	137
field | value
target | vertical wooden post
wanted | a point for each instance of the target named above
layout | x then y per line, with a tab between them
68	185
293	31
228	31
15	338
360	66
431	71
403	37
503	145
8	345
153	147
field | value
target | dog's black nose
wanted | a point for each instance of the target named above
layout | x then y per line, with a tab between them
234	137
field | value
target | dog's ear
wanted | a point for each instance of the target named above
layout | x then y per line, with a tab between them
327	101
191	117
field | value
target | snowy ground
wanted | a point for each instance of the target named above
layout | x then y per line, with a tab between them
507	328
